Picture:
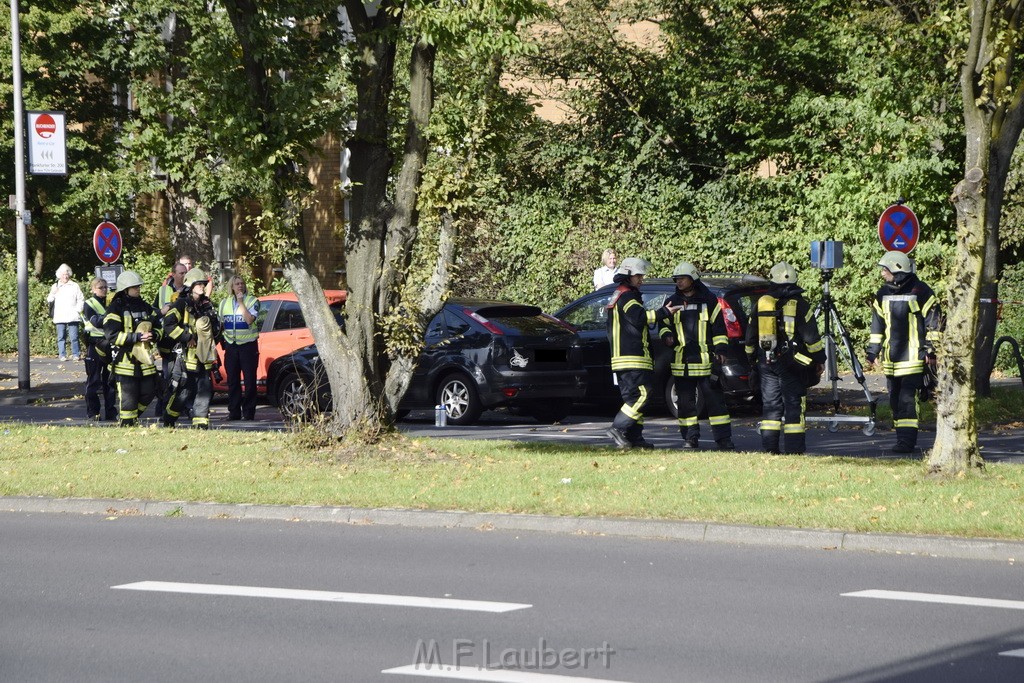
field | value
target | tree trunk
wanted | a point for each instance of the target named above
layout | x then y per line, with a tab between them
956	434
992	94
352	385
358	364
402	227
999	169
189	225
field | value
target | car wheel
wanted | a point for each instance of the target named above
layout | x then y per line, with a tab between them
670	397
295	400
401	414
673	407
548	414
458	394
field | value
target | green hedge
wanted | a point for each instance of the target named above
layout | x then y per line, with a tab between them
1011	292
42	333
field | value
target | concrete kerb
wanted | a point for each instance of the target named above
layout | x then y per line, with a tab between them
935	546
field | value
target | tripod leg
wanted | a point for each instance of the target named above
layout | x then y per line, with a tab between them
832	368
851	355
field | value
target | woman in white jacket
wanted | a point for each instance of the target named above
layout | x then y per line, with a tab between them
66	297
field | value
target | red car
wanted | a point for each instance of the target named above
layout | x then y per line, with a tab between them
282	330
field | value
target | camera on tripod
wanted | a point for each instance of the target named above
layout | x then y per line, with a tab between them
826	254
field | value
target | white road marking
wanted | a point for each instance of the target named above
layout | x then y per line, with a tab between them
1013	653
324	596
471	673
938	598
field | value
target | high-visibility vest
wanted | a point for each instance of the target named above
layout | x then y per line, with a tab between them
100	310
235	329
165	295
96	337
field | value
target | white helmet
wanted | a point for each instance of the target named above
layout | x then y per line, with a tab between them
195	276
686	269
634	266
895	262
782	273
128	278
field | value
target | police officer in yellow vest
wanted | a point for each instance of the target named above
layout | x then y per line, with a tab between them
130	329
97	354
191	325
238	313
783	339
906	326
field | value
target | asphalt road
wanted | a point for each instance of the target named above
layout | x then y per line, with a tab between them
74	607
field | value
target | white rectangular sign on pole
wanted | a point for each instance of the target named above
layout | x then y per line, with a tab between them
47	149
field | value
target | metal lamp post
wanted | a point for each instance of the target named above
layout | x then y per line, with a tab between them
19	202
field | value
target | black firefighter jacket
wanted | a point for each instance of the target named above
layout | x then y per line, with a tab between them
698	328
627	330
906	325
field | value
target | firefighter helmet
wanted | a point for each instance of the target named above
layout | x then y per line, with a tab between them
782	273
128	278
895	262
195	276
686	269
634	266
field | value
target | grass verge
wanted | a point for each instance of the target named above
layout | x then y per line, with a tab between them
496	476
1002	410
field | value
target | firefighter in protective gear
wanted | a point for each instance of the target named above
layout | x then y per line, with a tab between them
97	355
693	323
784	342
906	325
628	337
191	325
165	296
129	328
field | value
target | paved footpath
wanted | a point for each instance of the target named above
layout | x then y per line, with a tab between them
56	397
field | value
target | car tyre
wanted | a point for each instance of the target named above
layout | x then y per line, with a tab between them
670	397
673	407
295	400
459	396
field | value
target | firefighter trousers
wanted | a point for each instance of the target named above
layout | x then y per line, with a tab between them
635	389
134	396
903	398
194	392
99	389
784	400
714	401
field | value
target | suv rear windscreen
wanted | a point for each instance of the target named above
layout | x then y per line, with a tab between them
529	326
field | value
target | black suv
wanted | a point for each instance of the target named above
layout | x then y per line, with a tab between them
477	355
738	296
